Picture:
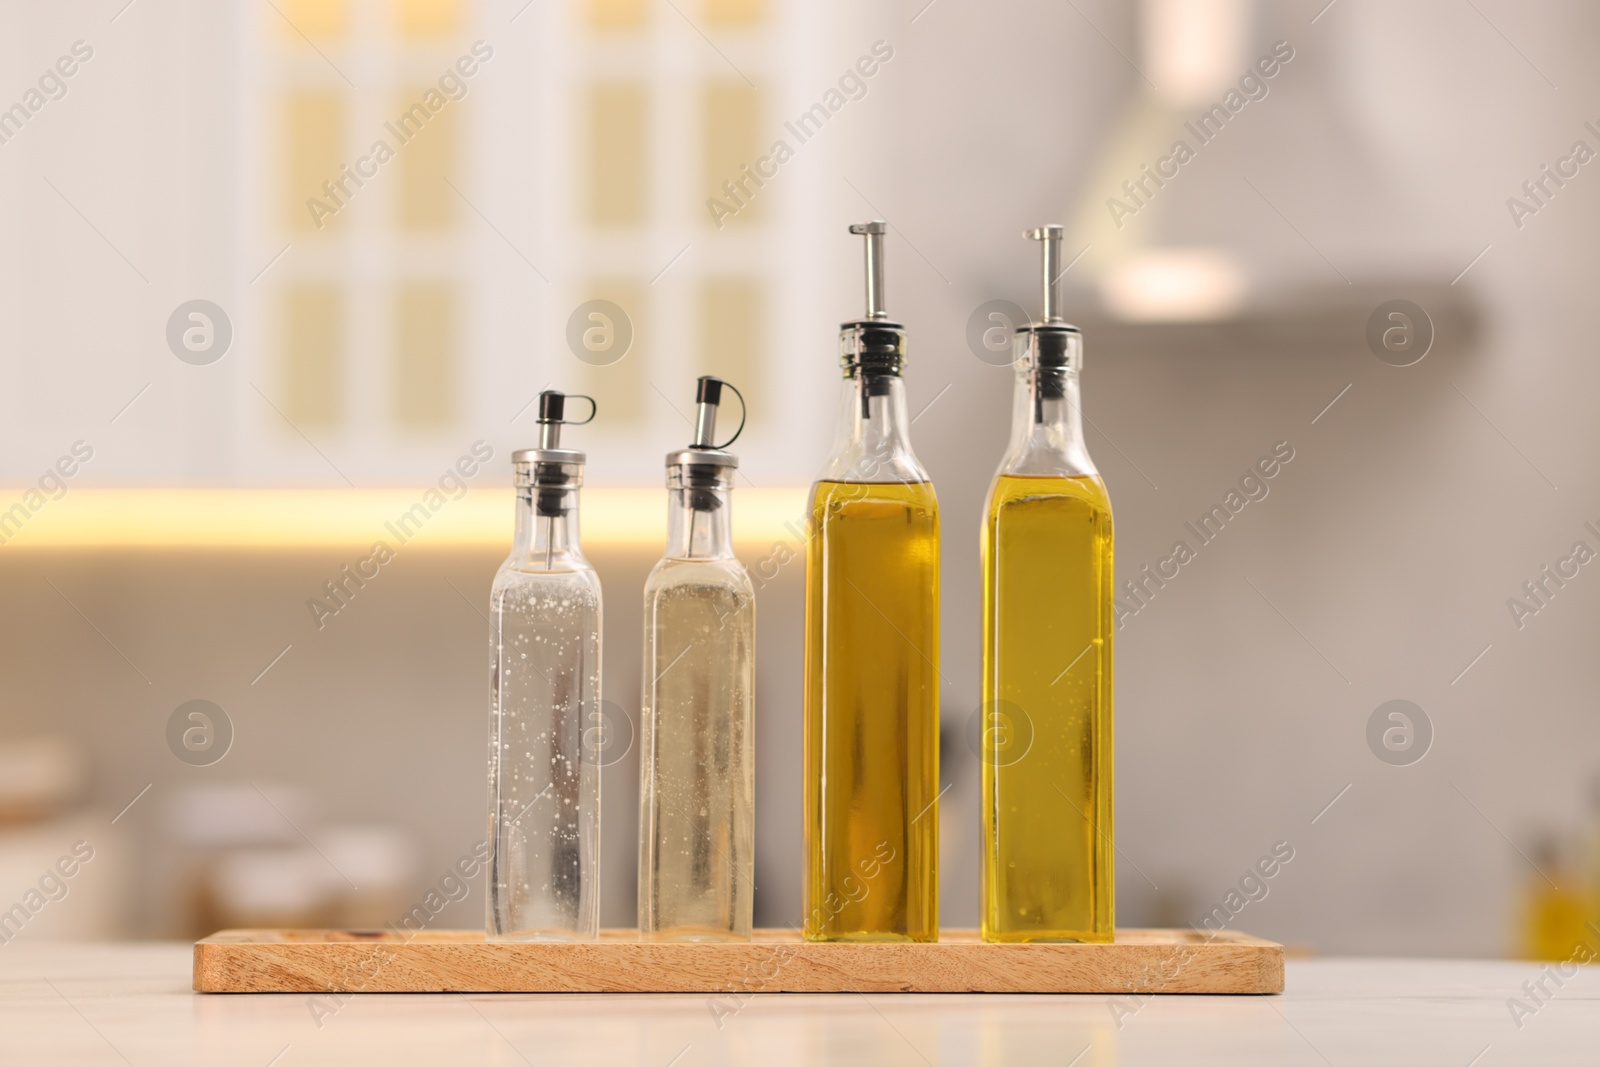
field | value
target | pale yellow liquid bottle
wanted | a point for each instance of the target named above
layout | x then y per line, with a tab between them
872	653
697	720
1048	859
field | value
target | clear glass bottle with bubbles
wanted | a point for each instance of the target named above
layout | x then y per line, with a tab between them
544	639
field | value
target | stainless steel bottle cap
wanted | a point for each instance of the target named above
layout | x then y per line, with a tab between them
550	467
701	457
548	455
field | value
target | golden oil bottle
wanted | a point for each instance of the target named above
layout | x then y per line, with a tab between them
872	653
1048	859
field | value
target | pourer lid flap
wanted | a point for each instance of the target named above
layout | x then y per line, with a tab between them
552	411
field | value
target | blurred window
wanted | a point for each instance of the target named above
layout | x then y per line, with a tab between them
618	154
361	226
319	20
423	19
732	141
612	15
734	13
409	279
312	354
425	167
623	389
427	370
731	344
314	139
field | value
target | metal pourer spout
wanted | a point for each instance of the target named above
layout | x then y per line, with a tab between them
1049	238
1051	349
872	347
552	405
707	395
706	467
873	231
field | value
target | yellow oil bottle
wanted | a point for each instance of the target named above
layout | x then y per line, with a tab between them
1048	861
871	775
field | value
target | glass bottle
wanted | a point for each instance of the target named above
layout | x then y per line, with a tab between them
544	678
697	738
1048	862
872	655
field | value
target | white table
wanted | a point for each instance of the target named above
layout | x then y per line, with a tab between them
113	1004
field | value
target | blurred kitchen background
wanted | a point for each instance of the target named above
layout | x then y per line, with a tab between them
355	349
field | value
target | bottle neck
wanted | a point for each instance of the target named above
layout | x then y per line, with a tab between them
873	443
546	536
699	523
1047	423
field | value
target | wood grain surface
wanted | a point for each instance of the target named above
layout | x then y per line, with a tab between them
775	961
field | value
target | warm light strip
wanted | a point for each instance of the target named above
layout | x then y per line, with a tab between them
305	518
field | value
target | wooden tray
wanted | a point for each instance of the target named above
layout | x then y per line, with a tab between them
775	961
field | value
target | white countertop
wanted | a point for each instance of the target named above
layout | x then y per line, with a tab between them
113	1004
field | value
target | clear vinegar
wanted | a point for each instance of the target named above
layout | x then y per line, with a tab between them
545	688
872	713
696	839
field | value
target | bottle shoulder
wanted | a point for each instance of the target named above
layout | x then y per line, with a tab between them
1067	493
1047	429
1035	465
724	571
858	464
717	568
826	490
1044	455
852	500
883	456
525	574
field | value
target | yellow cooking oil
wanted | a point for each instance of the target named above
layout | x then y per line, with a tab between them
872	713
1048	861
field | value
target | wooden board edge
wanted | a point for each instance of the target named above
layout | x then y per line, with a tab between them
251	962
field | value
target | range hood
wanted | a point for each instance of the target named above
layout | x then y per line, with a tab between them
1225	190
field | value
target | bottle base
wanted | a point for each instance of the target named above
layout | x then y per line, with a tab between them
879	937
542	935
692	935
1047	937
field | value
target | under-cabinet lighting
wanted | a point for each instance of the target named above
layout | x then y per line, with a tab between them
305	518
